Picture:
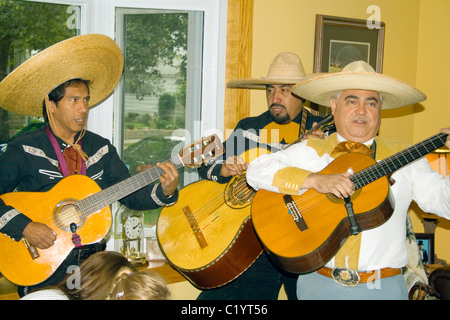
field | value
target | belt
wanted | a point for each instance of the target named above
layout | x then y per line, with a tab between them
349	277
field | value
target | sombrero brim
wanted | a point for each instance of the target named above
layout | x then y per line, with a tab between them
396	93
253	83
92	57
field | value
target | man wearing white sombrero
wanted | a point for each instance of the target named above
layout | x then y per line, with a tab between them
283	123
62	83
356	259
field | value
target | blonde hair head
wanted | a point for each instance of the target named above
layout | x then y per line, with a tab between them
97	275
142	285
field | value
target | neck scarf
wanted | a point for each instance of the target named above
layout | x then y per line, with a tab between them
70	161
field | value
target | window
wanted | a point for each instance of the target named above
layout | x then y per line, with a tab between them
22	35
156	108
185	72
161	87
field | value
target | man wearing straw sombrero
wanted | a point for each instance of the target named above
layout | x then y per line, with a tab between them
366	262
62	83
283	123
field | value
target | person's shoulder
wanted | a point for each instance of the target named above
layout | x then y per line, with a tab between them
254	121
95	140
387	147
30	137
46	294
95	136
315	118
312	117
321	146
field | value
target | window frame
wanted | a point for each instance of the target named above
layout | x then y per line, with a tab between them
98	16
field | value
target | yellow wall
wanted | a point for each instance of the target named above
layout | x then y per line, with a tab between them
289	25
433	68
433	75
415	50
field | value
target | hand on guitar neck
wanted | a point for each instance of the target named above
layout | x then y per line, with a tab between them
168	179
39	235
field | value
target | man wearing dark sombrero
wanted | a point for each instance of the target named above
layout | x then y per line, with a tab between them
61	84
367	265
283	123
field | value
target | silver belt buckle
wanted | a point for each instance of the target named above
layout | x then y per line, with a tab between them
345	277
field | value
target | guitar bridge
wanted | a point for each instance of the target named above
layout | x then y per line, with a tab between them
295	212
195	227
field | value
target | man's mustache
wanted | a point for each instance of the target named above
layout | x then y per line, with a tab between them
277	105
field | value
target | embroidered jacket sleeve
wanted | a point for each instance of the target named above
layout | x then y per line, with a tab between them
30	165
12	164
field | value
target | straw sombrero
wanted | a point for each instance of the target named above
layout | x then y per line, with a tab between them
92	57
286	68
358	75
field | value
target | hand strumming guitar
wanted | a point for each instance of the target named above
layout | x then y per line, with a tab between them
234	165
39	235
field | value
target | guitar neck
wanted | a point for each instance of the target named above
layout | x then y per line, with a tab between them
398	160
122	189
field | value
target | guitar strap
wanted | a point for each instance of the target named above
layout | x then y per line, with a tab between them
348	254
303	123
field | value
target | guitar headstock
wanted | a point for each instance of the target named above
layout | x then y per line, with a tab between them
203	150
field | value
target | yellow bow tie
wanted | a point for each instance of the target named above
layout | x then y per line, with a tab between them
349	146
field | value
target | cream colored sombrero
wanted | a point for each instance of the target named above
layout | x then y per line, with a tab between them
358	75
286	68
92	57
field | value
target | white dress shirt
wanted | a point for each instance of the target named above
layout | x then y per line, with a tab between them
383	246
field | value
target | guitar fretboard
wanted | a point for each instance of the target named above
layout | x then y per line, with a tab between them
398	160
122	189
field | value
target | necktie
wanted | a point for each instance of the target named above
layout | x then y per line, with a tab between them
349	146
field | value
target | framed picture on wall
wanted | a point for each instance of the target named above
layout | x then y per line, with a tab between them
426	247
339	41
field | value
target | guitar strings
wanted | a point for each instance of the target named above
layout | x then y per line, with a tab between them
216	202
214	205
99	200
91	204
373	172
383	167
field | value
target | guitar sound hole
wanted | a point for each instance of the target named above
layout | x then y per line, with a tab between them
65	213
331	197
238	194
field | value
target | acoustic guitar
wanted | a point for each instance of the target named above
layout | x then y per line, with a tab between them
302	233
208	235
77	205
